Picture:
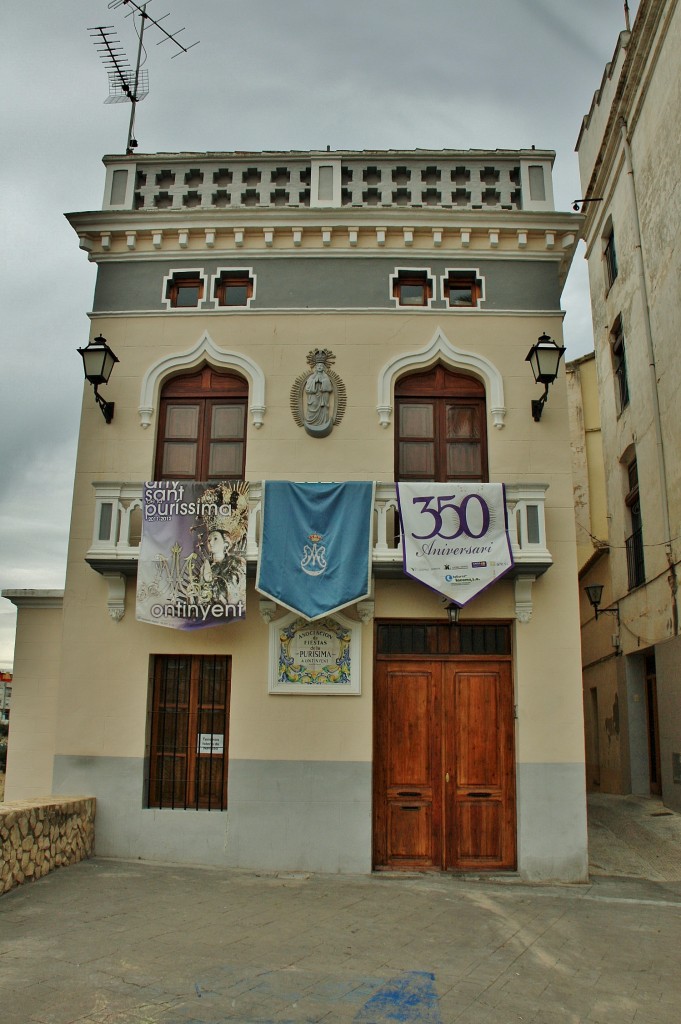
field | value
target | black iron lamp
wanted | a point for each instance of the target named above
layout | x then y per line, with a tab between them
594	591
544	357
453	613
98	362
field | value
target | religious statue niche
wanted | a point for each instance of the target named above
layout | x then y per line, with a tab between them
318	397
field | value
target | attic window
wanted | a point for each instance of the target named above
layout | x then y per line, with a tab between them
412	287
233	287
462	288
184	289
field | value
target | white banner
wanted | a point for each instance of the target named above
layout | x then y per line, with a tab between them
454	536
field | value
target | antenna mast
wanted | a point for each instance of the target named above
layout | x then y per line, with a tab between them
124	83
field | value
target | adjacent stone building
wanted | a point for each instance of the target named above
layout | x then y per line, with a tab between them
629	165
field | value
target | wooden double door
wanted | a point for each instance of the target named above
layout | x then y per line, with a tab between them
444	775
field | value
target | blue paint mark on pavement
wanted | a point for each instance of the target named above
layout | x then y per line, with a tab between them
409	999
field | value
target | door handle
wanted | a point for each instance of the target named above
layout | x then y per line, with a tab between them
446	776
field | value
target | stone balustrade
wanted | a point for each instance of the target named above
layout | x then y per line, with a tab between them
40	835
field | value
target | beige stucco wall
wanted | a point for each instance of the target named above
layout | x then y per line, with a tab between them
102	706
31	746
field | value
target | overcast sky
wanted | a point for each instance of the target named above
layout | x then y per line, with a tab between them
267	74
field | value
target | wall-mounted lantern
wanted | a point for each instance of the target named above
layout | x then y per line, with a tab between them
544	357
594	592
98	362
453	613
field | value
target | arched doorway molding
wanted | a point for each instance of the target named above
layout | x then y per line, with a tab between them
441	349
205	350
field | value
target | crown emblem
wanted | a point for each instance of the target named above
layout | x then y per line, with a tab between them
314	537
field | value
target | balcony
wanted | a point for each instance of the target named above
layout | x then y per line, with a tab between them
114	550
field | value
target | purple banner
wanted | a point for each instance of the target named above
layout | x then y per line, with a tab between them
192	563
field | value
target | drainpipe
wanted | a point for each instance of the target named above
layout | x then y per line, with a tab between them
661	464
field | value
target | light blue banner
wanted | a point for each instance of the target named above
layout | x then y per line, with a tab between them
315	550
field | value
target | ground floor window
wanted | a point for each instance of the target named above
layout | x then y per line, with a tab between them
189	731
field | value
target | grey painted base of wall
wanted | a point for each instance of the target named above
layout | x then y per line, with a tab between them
552	832
283	815
308	816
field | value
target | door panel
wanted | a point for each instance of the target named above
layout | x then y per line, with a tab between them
478	757
407	771
444	774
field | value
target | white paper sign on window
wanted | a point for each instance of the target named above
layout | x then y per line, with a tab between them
210	743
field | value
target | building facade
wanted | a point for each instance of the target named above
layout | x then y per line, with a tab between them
420	280
603	669
630	176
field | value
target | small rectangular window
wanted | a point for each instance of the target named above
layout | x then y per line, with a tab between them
233	288
634	542
619	363
189	732
610	259
413	287
184	290
462	288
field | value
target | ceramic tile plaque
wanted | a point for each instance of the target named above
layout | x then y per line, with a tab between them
320	657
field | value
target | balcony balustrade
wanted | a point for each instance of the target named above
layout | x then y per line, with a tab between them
114	550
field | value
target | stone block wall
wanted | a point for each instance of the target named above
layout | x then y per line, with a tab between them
40	835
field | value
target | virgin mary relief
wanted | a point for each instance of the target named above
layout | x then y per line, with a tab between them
318	397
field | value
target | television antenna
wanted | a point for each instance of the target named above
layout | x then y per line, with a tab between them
128	84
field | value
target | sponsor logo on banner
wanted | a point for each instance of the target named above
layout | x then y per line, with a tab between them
192	563
454	536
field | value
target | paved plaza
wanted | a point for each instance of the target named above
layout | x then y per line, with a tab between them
135	943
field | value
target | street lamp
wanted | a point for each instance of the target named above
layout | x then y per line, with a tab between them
594	592
544	357
98	362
